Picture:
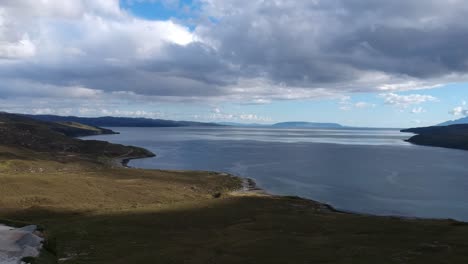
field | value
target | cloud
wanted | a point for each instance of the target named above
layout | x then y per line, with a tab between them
241	51
404	101
84	111
124	113
23	48
50	111
346	104
418	110
218	114
342	45
363	105
459	111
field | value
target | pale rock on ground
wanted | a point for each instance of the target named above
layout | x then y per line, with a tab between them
17	243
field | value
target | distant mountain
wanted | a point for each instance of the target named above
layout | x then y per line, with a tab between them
109	121
453	136
306	125
463	120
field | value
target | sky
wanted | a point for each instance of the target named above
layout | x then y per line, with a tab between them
372	63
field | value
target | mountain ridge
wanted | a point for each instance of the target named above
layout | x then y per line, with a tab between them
463	120
110	121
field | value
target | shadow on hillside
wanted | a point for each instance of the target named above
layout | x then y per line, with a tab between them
248	230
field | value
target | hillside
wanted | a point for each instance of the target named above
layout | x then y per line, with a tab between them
71	129
453	136
56	139
109	121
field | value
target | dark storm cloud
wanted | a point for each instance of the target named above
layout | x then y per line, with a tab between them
413	52
312	43
195	61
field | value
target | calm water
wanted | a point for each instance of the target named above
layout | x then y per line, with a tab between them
367	171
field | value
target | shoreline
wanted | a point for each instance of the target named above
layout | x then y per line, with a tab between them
250	187
238	209
123	161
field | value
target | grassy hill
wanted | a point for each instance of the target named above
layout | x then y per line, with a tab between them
453	136
55	140
93	212
71	129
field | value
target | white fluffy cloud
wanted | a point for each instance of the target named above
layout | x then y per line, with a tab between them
95	28
21	49
418	110
346	104
405	101
459	111
219	115
363	105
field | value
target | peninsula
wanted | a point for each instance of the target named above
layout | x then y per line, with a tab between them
453	136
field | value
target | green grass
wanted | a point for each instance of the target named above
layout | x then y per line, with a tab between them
248	230
115	215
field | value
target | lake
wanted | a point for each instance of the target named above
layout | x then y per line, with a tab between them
371	171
